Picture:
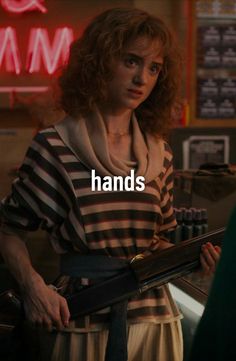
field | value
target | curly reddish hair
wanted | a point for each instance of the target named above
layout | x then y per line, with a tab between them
83	82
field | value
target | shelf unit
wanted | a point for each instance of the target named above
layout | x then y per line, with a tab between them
212	68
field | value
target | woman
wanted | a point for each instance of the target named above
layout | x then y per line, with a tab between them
118	89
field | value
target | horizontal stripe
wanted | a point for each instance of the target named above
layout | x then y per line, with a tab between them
54	190
119	224
118	207
119	215
119	233
118	197
124	242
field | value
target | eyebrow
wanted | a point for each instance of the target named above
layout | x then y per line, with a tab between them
140	58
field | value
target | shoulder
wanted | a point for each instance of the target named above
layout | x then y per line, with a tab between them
45	145
167	149
167	162
47	135
167	153
162	144
49	138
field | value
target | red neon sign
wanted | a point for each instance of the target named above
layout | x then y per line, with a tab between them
9	50
21	6
43	51
40	51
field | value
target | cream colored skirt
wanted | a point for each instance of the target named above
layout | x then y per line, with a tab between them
146	341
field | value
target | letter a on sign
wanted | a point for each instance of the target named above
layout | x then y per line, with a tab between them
9	50
20	6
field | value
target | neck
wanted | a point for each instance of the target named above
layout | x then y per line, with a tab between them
117	122
118	133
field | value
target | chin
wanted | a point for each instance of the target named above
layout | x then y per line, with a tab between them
133	105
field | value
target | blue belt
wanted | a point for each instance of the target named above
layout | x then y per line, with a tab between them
96	267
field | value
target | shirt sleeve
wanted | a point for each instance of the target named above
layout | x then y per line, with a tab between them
167	219
167	209
37	199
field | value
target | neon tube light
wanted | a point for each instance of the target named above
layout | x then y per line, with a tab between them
21	6
23	89
9	49
40	49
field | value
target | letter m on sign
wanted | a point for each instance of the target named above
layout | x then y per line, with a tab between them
51	55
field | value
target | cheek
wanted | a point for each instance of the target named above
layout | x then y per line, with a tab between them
123	74
152	84
119	79
113	84
154	81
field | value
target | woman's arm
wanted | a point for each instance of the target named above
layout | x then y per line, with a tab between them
42	305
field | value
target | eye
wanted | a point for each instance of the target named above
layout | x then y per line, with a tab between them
155	69
130	61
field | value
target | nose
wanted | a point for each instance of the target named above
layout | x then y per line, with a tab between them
140	77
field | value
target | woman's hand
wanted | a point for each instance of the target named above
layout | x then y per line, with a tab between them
209	258
45	308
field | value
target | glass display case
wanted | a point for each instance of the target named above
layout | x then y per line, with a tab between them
190	293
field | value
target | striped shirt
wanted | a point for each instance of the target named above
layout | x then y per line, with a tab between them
53	192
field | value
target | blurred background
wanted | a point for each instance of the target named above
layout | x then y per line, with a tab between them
34	42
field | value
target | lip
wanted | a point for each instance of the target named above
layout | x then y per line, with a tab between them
135	93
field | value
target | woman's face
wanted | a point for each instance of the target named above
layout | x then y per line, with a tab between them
135	74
